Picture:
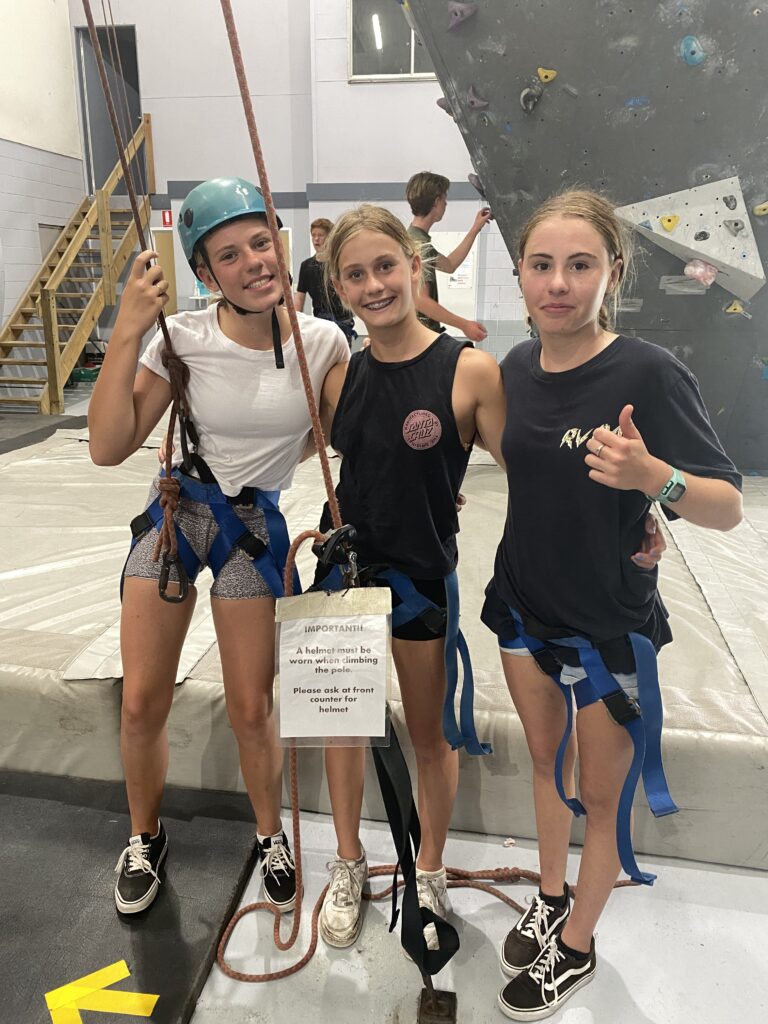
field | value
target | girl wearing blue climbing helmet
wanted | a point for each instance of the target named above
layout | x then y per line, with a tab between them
244	432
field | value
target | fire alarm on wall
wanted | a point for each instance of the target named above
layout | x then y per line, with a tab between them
167	218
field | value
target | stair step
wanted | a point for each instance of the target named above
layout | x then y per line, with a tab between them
22	381
19	400
23	343
39	327
23	362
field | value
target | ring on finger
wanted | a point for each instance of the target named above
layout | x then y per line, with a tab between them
599	449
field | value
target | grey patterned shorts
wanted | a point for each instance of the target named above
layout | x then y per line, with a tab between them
238	578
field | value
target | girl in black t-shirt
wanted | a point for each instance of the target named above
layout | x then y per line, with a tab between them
598	426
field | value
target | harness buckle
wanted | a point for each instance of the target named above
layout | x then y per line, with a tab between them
548	662
621	707
434	619
165	573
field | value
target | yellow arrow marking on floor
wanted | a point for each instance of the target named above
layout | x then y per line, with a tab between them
90	993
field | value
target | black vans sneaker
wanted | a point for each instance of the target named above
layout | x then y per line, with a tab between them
137	871
279	872
531	933
552	978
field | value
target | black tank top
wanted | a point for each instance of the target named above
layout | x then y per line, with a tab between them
403	461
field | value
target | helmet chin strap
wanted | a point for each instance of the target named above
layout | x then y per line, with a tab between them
277	342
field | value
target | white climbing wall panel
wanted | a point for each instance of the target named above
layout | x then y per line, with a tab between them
709	222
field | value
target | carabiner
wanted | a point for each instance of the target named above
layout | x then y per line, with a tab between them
165	573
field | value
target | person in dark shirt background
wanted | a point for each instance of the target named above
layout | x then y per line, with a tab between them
325	302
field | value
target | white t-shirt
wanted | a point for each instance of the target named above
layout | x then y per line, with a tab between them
252	419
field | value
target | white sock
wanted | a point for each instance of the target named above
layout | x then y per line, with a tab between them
277	835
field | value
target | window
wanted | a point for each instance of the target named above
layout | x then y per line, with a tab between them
382	44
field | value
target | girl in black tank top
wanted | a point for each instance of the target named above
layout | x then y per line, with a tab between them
404	425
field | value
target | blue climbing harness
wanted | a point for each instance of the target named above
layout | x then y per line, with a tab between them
268	559
414	605
644	726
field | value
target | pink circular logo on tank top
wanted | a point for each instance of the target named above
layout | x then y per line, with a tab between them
422	429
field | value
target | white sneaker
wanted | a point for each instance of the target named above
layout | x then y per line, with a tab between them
341	916
432	887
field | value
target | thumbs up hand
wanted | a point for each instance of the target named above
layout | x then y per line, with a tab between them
622	461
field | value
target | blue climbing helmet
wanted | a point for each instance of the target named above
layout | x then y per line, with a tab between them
213	203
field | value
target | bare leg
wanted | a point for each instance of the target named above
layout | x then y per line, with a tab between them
152	632
542	712
421	674
345	770
246	633
605	753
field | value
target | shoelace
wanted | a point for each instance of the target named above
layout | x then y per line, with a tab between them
538	922
344	887
430	894
543	970
278	858
137	855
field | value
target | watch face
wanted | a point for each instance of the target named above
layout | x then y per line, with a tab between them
676	492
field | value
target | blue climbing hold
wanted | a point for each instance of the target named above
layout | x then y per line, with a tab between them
637	101
692	51
646	224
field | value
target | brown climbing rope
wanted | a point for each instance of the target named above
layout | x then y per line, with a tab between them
177	371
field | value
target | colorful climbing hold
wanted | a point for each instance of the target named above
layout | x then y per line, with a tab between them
444	105
699	270
546	75
736	308
692	51
530	97
571	90
761	210
734	226
458	13
730	202
646	224
474	100
670	221
701	236
637	101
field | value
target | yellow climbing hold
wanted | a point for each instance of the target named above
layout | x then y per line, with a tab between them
735	307
761	210
546	75
670	222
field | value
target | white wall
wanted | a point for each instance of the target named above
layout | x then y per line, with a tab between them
374	131
187	83
37	82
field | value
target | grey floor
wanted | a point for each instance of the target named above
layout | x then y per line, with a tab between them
689	949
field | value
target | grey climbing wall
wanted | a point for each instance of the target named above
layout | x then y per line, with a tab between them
643	101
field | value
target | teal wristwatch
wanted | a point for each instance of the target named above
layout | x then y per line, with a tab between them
672	491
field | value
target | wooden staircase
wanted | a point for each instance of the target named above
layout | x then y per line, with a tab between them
47	331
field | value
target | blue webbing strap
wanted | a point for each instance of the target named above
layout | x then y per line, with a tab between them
271	562
644	731
534	646
412	605
189	559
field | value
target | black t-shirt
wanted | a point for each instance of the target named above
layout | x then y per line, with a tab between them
403	460
564	561
325	304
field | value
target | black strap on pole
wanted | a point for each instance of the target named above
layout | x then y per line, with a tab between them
395	784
